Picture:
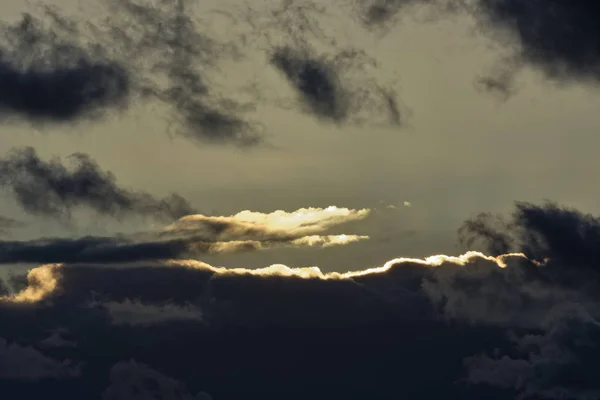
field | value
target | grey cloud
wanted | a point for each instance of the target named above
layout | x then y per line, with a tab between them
49	188
561	38
164	40
337	88
48	78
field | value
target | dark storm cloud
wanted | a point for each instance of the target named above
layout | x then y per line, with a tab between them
46	77
559	37
559	301
547	231
270	333
49	188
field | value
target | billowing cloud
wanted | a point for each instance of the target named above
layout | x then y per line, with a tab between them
331	81
48	78
49	188
561	38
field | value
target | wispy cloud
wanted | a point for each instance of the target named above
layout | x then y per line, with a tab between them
52	189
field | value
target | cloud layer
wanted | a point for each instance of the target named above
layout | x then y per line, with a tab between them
192	236
469	327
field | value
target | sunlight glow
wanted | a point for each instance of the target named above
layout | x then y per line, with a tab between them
45	279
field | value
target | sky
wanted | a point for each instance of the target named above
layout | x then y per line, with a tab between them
299	199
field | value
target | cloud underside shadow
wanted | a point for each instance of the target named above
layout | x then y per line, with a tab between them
517	324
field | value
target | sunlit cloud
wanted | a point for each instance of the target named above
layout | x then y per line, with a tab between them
192	236
44	280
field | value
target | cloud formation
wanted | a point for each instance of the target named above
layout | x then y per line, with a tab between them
48	78
192	236
7	223
331	81
328	90
561	38
473	326
164	41
51	189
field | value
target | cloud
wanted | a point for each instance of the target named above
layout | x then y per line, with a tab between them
555	364
191	236
49	188
470	327
333	82
262	324
161	51
327	91
547	231
47	78
552	310
164	42
560	38
28	364
136	381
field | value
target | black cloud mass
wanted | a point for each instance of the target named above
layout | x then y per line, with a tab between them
466	327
